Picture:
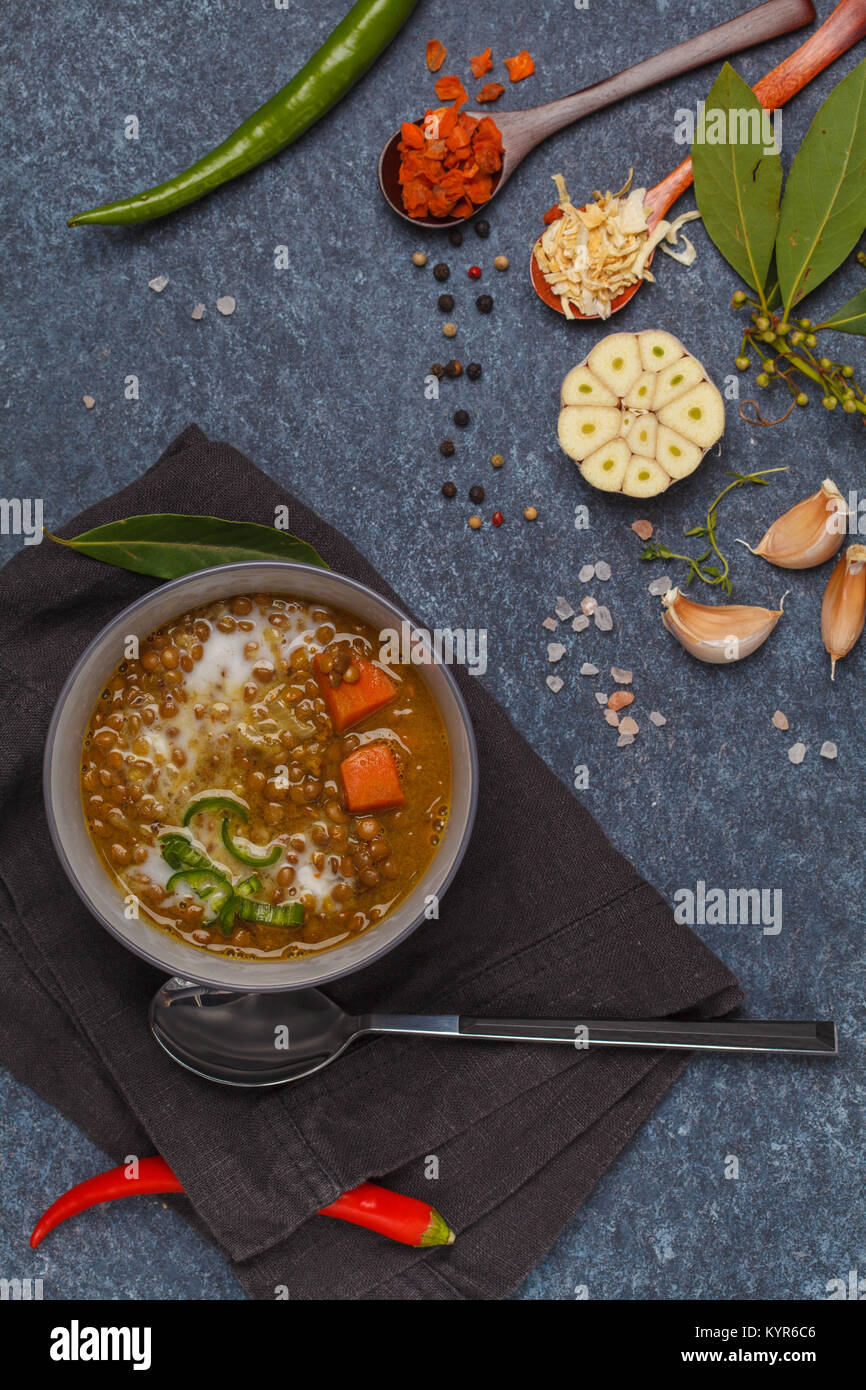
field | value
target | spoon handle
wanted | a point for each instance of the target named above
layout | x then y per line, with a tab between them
767	21
816	1038
839	32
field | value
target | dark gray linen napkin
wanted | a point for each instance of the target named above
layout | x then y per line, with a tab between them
544	918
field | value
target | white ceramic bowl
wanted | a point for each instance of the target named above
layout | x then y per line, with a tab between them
62	767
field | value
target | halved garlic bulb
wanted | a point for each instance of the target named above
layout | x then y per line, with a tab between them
808	533
668	412
843	611
717	633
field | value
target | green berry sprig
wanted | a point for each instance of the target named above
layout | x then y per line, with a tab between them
786	352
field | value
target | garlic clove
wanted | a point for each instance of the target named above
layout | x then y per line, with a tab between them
679	457
585	428
641	437
809	533
658	349
676	380
642	394
717	633
616	361
582	387
699	415
606	468
843	611
644	478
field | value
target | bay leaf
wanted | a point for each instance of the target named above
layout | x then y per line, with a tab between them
737	185
169	544
851	318
824	208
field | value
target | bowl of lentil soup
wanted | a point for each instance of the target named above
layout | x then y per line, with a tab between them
245	794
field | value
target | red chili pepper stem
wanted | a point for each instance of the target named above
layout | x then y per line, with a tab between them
401	1218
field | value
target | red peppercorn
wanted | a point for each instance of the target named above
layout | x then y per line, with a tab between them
497	518
474	272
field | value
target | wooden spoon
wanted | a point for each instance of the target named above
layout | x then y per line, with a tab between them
523	130
839	32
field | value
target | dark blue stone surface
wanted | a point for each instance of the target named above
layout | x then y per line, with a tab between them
319	376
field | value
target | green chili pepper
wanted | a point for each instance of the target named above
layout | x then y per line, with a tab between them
342	60
179	853
248	886
270	914
254	860
205	883
216	803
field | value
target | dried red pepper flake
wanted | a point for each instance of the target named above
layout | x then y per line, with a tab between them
435	55
491	91
520	66
447	162
483	63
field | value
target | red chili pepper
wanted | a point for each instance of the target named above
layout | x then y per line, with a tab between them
474	272
405	1219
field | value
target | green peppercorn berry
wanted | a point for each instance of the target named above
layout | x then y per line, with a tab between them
802	398
738	298
742	364
797	337
783	329
829	402
768	337
805	323
825	364
811	340
762	323
849	407
762	379
848	395
847	371
770	367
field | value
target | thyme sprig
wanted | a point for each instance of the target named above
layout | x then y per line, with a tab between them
718	572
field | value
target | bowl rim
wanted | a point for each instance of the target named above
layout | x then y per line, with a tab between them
239	567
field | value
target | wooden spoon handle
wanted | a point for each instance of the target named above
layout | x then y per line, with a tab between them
523	130
839	32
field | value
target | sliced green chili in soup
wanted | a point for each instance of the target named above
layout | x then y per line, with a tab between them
260	783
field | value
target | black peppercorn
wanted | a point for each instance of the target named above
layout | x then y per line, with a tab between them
461	418
484	303
455	236
473	371
482	229
454	368
447	447
437	369
449	489
441	271
476	493
446	303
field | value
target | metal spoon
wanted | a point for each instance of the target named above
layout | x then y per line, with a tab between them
269	1039
523	130
839	32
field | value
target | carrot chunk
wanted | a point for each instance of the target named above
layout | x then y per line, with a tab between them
435	55
520	66
491	91
371	780
349	704
483	63
451	89
412	135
